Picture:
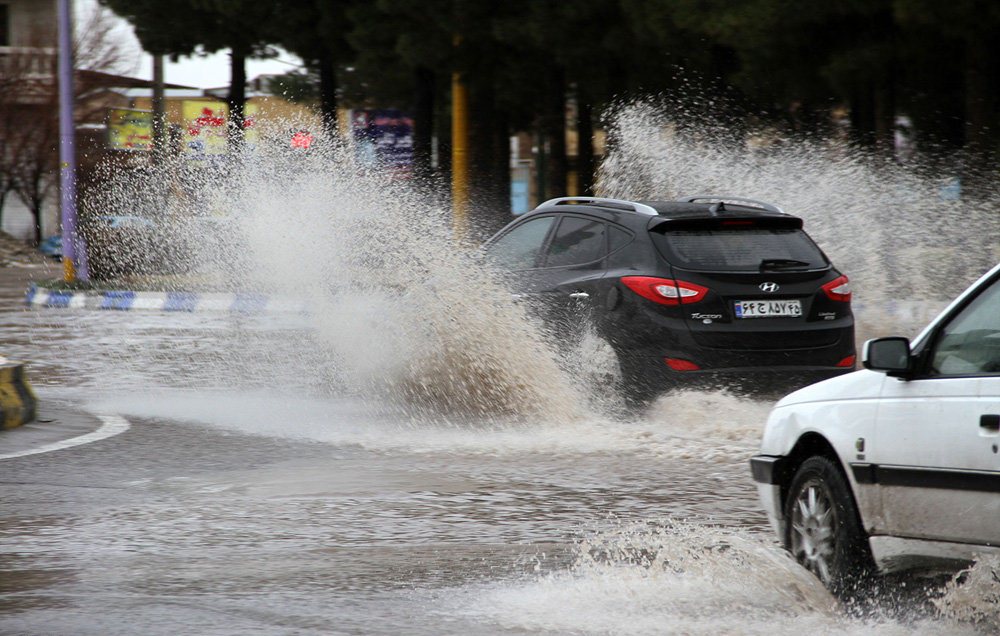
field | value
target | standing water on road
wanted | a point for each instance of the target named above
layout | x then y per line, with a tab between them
412	456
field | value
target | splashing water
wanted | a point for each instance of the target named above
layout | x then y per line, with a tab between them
399	309
885	225
973	595
402	312
677	578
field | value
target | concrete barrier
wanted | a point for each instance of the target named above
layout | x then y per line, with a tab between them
17	400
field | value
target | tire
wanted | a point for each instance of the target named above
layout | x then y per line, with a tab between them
640	385
823	529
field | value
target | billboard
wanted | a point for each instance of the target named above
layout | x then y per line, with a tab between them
205	128
384	137
130	129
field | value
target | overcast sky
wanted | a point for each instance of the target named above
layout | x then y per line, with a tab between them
211	71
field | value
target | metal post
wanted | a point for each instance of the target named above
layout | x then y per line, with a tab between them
74	264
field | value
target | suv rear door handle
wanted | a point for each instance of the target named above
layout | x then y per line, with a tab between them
579	295
990	421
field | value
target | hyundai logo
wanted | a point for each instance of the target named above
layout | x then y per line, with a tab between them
769	287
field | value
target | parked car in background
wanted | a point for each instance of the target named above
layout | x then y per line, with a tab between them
125	222
52	246
897	466
716	288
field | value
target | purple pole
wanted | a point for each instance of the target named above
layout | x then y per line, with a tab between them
74	266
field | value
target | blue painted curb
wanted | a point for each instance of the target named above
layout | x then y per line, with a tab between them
241	303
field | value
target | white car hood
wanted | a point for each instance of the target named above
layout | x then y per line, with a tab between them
861	384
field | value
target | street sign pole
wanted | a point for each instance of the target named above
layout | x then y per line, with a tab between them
74	264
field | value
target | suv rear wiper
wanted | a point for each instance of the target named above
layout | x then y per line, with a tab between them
776	263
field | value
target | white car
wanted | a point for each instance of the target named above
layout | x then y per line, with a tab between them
896	466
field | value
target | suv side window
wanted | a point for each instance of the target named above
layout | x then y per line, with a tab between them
970	343
617	239
519	248
577	241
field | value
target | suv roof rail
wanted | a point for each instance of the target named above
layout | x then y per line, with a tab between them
641	208
725	198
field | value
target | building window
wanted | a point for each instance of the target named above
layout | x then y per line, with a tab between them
4	26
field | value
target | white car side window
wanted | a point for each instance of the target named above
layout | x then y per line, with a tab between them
970	343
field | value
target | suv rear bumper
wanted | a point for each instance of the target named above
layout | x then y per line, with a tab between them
764	378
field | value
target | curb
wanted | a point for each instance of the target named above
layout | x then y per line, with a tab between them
243	303
17	399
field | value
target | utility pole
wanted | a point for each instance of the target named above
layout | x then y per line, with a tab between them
74	265
459	153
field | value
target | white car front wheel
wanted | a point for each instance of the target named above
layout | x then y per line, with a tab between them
823	529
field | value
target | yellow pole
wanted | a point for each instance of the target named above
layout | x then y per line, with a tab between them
459	156
69	270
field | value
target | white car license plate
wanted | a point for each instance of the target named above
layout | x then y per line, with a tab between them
768	308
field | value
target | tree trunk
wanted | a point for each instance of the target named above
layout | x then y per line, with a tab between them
501	166
980	100
490	201
423	122
585	145
862	115
159	118
555	130
885	118
237	95
3	202
36	213
328	91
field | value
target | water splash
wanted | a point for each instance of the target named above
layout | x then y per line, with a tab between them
401	310
973	595
886	225
648	578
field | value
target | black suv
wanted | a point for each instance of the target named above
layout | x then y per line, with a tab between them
711	287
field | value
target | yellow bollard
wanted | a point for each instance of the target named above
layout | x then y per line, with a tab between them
69	271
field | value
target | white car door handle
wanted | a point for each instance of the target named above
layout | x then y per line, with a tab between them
579	295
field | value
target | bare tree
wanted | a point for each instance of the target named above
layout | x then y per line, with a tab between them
29	105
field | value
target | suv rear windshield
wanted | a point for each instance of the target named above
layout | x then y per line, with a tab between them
740	249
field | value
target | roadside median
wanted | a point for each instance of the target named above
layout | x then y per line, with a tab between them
175	301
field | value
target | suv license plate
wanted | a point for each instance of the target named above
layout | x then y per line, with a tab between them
768	308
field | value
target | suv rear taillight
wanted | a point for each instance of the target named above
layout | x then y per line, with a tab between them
838	289
665	291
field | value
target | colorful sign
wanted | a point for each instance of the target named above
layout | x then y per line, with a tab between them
205	128
384	137
130	129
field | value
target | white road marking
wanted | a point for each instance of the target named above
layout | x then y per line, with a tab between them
111	425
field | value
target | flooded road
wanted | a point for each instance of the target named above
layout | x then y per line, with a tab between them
266	499
412	455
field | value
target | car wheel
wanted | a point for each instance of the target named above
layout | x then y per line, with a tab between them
823	532
638	385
